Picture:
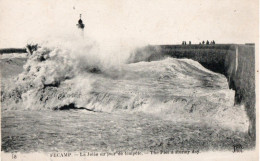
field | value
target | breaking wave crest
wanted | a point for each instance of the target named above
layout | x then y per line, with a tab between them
177	89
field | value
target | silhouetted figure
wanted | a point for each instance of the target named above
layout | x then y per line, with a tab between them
213	42
80	23
184	42
207	42
189	42
203	42
81	26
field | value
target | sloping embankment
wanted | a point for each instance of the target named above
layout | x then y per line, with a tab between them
236	62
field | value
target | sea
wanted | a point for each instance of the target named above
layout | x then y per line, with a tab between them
85	98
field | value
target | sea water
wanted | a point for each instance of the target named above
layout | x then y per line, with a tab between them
159	105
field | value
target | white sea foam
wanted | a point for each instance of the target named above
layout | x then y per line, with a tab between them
97	78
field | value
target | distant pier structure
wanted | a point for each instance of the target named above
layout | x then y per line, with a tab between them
81	26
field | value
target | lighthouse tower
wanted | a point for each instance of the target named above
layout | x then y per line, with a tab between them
81	26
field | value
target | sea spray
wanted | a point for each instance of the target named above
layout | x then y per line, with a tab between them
81	76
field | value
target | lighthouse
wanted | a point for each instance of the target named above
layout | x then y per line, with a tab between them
81	26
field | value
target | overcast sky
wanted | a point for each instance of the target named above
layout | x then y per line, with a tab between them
147	21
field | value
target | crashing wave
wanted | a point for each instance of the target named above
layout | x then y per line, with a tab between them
177	89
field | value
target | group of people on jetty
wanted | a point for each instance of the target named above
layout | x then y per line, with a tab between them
201	43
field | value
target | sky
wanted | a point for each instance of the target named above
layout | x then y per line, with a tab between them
127	21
